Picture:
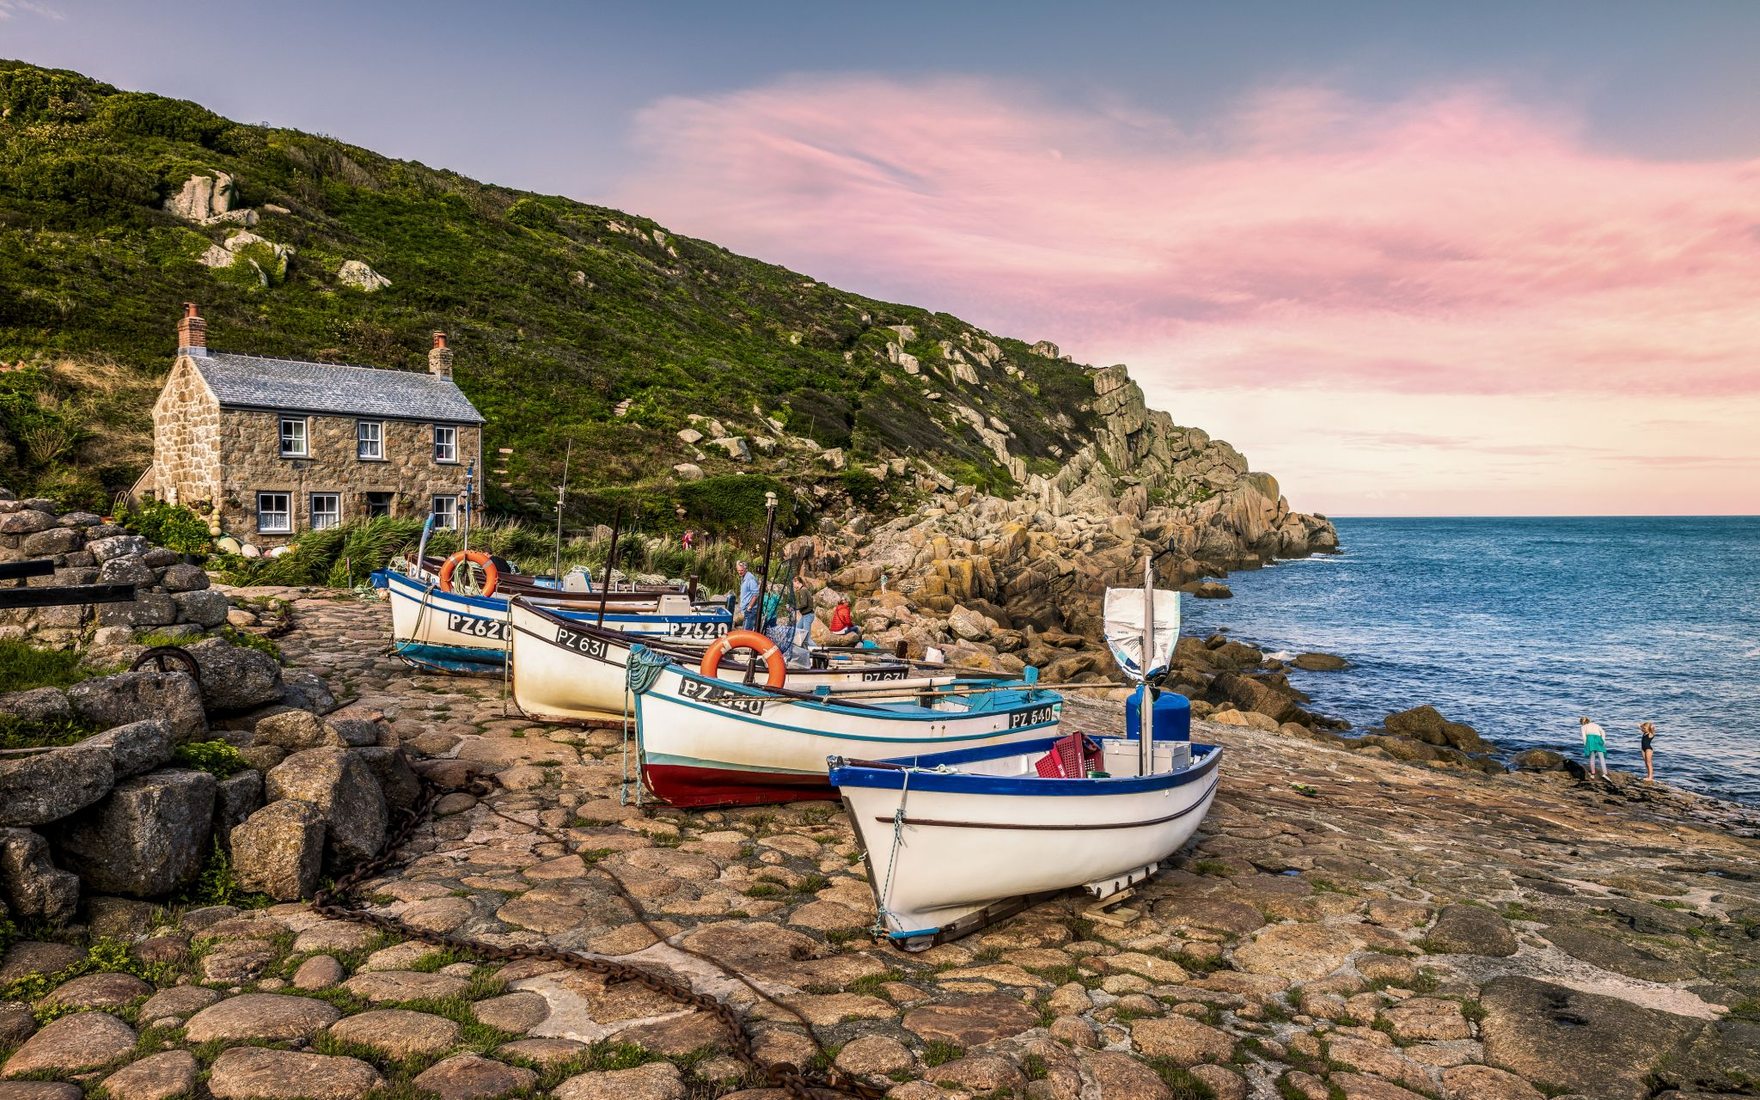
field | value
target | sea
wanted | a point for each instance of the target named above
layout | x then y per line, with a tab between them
1516	626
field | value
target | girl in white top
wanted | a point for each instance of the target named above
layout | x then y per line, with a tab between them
1594	744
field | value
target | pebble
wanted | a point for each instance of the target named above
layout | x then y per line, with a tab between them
397	1033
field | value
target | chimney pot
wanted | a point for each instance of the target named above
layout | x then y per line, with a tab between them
192	332
440	357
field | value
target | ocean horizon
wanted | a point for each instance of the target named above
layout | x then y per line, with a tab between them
1516	625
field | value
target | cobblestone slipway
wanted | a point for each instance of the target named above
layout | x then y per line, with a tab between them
1399	932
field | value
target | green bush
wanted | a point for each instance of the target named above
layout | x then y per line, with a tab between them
214	757
169	525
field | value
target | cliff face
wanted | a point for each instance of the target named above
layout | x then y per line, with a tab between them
1010	582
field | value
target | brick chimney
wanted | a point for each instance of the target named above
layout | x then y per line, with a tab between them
192	332
440	357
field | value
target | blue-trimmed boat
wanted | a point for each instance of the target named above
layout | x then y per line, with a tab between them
711	742
957	840
455	632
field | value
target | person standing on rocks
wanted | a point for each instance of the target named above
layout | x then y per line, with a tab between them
1647	731
1594	745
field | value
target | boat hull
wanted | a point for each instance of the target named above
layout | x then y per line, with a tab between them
947	850
712	743
452	632
568	671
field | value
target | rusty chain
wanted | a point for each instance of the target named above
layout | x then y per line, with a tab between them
336	902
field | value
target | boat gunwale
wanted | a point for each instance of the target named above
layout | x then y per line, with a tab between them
498	608
892	774
853	708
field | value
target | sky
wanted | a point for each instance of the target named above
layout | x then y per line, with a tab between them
1411	258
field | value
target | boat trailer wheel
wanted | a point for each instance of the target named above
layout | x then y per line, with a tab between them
169	658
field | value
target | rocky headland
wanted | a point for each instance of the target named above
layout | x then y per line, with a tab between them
1007	581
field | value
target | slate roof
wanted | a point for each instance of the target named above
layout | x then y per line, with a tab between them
287	385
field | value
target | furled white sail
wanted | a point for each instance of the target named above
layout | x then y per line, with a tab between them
1124	628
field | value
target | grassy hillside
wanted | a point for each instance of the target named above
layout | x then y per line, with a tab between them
558	310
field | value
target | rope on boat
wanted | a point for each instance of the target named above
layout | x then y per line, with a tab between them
641	668
881	910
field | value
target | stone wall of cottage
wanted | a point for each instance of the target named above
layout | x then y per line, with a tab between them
250	456
186	438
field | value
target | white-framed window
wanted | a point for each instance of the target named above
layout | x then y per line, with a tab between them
445	443
274	513
445	511
326	510
369	440
293	437
378	504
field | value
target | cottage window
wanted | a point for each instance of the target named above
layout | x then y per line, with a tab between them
274	513
369	440
293	437
326	510
445	443
446	512
378	504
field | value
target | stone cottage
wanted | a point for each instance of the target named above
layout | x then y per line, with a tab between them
269	448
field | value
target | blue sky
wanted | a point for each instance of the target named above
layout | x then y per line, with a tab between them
1414	258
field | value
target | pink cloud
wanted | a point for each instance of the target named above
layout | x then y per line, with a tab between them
1454	242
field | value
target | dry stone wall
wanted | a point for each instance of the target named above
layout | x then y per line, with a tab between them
116	813
172	595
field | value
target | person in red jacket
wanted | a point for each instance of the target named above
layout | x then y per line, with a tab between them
842	623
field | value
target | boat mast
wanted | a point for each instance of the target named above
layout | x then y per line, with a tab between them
1146	710
764	570
561	495
610	557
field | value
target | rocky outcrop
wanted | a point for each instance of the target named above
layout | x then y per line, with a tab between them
1039	562
358	275
268	259
209	199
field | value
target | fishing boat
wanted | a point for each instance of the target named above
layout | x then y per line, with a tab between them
956	840
456	632
577	585
706	741
566	669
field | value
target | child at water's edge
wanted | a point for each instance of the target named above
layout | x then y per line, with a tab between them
1594	745
1647	730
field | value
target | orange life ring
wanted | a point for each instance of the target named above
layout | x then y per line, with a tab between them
491	575
746	639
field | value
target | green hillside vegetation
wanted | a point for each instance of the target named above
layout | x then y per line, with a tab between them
558	312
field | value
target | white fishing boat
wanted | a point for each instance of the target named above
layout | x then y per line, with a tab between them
711	742
456	632
956	840
568	670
